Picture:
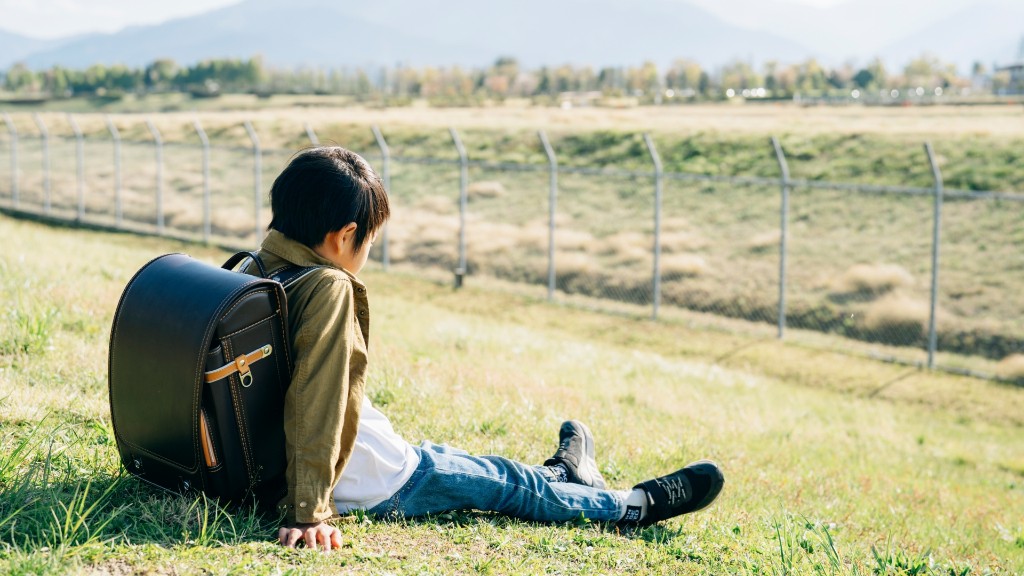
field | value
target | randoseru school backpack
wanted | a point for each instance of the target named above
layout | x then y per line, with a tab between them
199	364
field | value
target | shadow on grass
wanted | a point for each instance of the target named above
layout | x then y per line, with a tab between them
61	488
657	534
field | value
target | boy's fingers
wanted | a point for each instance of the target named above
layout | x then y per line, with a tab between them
326	532
289	536
336	538
311	538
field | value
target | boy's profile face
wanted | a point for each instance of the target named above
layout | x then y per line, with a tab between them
339	248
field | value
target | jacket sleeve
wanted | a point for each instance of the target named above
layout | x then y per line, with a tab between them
318	439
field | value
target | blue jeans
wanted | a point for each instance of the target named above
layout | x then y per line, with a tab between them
449	479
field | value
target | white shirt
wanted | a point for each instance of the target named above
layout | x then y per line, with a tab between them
380	464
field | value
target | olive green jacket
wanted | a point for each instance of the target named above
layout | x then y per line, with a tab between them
329	326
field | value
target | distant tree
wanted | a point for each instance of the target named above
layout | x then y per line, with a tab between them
928	71
683	74
611	80
739	75
771	80
644	80
704	85
120	78
56	82
836	79
863	78
159	74
21	79
811	77
499	78
544	81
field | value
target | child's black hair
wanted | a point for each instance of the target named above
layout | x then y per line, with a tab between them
322	190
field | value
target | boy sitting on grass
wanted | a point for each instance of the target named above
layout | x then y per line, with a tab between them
342	453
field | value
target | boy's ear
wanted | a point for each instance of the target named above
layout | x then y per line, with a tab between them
338	241
348	233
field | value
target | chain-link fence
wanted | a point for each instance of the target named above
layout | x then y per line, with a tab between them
919	275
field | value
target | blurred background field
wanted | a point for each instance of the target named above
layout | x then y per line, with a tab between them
860	214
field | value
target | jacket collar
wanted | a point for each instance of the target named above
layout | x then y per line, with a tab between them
299	254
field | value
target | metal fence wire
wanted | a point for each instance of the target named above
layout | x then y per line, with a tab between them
926	276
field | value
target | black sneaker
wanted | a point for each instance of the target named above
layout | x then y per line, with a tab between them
681	492
576	454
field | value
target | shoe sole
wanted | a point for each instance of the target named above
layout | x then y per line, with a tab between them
718	483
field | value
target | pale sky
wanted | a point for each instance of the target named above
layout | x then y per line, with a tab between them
57	18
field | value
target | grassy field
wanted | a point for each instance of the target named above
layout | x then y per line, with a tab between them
834	465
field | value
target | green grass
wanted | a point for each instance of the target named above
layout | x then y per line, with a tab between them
834	465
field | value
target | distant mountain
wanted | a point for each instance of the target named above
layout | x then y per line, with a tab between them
959	31
330	33
435	32
15	47
988	33
285	32
597	32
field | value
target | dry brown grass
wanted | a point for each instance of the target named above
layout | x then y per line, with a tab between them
873	279
485	189
437	204
572	240
763	241
682	241
896	312
1012	368
676	266
619	246
626	255
575	264
779	118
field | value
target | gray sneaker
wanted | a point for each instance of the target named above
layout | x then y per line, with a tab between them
576	453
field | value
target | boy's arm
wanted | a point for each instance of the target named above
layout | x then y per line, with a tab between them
320	415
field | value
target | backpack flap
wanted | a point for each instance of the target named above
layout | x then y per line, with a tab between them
164	326
247	370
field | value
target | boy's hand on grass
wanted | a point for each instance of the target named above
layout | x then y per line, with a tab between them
319	536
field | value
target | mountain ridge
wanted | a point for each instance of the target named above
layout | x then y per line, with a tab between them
325	33
432	32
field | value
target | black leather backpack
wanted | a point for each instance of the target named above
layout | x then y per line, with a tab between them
199	364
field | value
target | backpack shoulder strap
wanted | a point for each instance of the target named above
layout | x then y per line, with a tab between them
239	256
291	274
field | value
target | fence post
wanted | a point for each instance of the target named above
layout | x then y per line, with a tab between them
116	135
159	142
313	139
257	180
552	209
656	273
460	272
385	154
44	137
80	154
936	236
783	233
13	131
206	179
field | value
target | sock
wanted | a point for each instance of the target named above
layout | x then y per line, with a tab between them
634	506
560	473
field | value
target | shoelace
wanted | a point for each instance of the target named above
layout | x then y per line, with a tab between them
675	488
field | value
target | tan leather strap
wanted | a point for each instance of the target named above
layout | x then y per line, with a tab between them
241	365
204	430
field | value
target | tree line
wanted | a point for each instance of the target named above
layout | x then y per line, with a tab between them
684	80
